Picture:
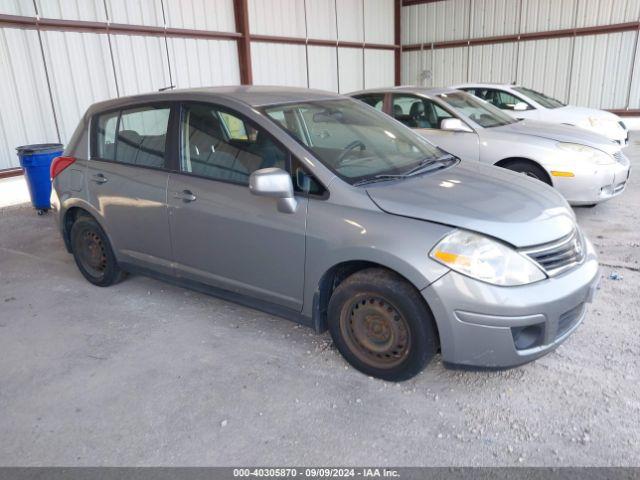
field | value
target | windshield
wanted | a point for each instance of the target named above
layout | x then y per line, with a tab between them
352	139
481	112
541	98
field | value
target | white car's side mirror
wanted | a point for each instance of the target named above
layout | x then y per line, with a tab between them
520	107
455	125
276	183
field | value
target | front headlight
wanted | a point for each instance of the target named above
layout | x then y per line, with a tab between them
588	153
485	259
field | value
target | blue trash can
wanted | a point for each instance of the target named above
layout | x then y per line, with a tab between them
36	160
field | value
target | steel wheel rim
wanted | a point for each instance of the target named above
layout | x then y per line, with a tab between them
92	253
375	331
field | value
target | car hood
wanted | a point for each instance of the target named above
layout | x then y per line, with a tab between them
572	114
559	133
486	199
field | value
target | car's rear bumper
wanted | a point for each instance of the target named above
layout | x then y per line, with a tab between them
478	323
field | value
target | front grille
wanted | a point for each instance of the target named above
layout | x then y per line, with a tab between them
569	319
559	256
618	156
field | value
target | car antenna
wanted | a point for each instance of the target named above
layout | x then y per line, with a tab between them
170	87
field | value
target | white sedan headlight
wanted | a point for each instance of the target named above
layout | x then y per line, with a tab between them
485	259
588	153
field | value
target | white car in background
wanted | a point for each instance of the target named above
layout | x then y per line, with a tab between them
523	102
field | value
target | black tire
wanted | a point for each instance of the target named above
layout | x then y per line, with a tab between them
530	169
381	325
93	253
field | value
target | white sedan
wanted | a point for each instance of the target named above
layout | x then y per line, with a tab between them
523	102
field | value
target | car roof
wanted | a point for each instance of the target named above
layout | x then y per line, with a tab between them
487	85
253	96
407	89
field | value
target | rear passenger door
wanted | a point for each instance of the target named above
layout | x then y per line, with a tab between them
127	182
223	235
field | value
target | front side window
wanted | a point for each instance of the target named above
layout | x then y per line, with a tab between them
499	98
375	100
222	145
352	140
418	112
544	100
134	136
481	112
303	181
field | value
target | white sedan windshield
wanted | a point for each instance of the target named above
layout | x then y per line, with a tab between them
481	112
541	98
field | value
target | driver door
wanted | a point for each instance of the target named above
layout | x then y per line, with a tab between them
425	117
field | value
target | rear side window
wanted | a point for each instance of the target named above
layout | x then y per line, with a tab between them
142	135
135	137
221	145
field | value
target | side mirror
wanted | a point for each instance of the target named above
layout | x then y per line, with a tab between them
520	107
275	183
455	125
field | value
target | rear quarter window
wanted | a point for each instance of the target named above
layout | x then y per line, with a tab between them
106	136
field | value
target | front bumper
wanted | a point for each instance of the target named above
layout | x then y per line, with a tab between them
594	184
478	322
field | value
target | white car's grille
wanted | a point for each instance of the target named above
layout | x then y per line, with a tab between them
559	256
618	156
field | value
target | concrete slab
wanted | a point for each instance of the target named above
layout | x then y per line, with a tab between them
13	191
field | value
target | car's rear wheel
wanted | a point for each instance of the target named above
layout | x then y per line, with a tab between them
381	325
93	253
529	169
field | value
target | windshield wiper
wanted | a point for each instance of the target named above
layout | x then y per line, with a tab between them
424	164
378	178
427	162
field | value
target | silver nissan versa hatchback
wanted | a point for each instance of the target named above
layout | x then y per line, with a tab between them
317	208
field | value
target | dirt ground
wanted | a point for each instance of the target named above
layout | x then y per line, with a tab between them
144	373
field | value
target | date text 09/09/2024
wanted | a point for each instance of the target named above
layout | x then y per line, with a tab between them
315	472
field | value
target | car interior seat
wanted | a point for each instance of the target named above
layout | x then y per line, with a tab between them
417	114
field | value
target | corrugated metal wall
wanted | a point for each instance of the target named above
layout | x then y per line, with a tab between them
599	70
339	69
50	77
86	67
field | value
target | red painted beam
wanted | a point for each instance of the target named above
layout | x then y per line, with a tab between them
241	12
568	32
11	172
397	39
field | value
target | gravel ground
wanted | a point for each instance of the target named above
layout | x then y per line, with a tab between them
144	373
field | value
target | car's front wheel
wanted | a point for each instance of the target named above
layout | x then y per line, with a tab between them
93	253
381	325
529	169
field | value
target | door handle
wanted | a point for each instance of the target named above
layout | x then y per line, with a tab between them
185	195
99	178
